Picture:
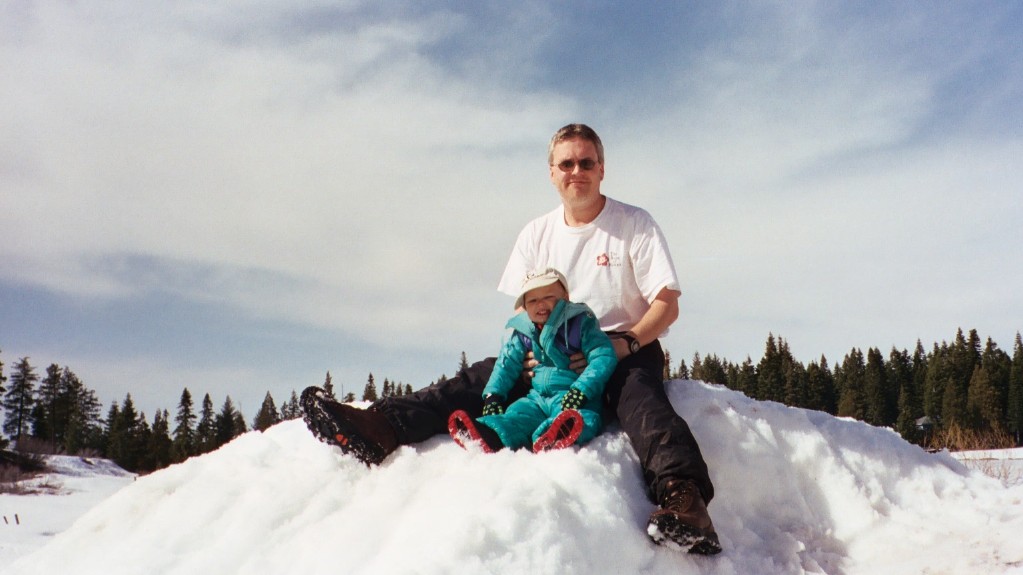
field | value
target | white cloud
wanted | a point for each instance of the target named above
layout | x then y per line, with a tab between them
364	169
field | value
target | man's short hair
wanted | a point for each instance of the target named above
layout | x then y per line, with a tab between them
576	131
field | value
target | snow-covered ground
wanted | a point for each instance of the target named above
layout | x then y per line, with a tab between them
797	492
75	485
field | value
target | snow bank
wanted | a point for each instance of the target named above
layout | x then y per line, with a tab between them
73	486
797	492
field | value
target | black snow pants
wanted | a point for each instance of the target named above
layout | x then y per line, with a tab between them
635	395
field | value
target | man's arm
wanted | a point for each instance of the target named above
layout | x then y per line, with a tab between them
662	313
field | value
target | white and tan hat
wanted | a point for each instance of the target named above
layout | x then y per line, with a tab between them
540	278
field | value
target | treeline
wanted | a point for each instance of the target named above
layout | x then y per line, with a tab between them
963	385
58	413
966	384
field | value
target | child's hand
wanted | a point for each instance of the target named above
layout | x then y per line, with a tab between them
574	399
493	404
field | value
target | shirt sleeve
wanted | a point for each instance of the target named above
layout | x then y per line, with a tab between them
654	267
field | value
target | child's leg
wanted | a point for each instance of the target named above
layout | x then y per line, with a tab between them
593	424
515	427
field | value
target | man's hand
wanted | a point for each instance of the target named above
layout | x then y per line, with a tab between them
621	346
577	362
528	365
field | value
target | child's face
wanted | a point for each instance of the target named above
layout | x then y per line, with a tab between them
540	302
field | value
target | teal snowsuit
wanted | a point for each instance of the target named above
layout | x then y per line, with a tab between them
528	418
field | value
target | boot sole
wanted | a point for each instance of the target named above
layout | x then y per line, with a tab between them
335	431
668	530
463	431
556	437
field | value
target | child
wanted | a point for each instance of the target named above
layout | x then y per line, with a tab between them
562	407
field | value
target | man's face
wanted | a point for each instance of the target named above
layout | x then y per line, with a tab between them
574	183
540	302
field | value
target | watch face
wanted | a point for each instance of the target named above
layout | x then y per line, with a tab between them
633	345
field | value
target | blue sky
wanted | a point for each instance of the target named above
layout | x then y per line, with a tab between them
240	196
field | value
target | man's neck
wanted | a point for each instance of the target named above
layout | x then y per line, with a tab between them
576	216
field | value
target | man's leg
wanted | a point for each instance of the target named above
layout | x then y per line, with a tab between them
667	450
424	413
374	433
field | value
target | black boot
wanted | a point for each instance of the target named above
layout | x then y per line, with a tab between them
683	520
467	432
364	433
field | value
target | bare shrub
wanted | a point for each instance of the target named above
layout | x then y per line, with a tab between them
958	439
16	468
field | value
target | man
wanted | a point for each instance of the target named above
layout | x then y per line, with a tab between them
617	261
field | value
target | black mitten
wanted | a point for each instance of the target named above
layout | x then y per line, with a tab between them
574	399
493	404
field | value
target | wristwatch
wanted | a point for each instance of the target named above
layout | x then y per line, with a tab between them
633	342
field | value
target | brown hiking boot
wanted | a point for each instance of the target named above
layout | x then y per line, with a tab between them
683	521
364	433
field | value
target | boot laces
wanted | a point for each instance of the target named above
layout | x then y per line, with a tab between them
680	496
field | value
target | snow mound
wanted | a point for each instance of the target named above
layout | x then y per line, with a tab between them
75	466
797	492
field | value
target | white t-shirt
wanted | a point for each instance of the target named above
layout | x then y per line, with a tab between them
616	264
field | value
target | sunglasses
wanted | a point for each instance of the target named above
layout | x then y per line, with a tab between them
585	164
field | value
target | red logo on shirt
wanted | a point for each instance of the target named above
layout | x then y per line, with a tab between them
603	260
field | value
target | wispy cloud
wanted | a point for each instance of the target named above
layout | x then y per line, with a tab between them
843	174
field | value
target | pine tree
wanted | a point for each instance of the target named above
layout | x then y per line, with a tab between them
987	396
225	423
125	436
909	402
964	356
291	409
184	444
328	387
206	429
3	378
796	385
667	366
712	370
267	415
408	389
239	423
463	363
683	370
81	430
981	406
770	373
46	412
746	378
999	367
369	393
821	387
1014	407
18	401
875	384
3	389
850	378
937	376
159	444
697	370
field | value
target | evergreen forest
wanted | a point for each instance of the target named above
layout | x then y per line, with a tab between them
966	386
